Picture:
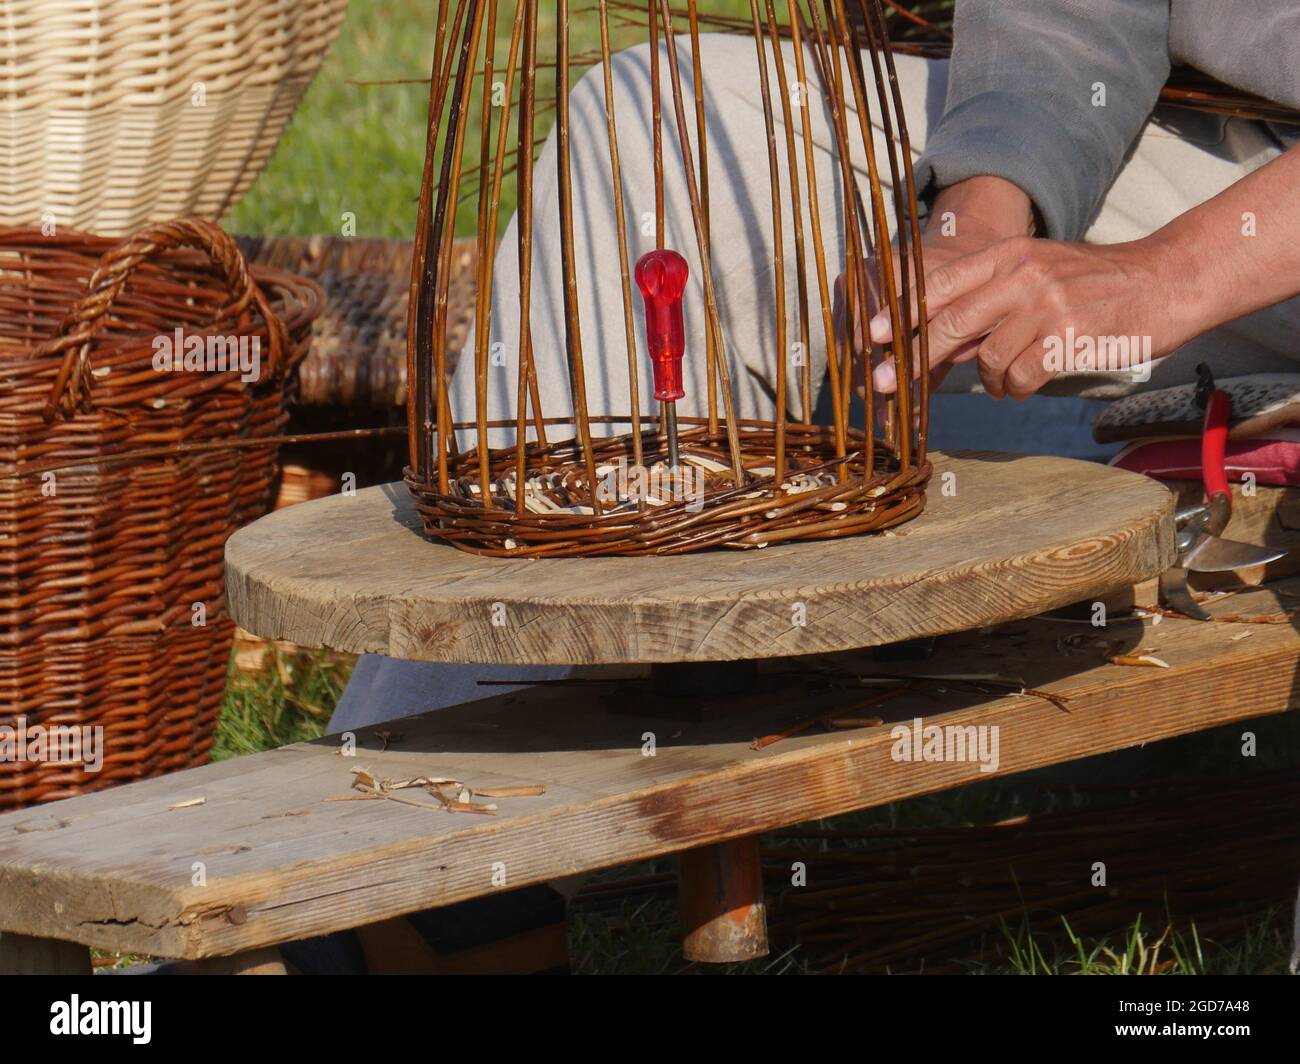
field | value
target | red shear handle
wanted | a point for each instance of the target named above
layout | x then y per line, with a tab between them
1214	446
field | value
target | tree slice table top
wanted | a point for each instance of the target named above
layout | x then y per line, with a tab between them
1002	537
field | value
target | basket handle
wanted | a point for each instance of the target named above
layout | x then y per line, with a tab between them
88	316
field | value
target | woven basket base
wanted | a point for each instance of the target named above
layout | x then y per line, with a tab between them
644	508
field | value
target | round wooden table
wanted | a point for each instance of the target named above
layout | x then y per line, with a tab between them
1002	537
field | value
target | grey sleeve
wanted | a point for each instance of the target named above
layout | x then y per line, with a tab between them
1023	87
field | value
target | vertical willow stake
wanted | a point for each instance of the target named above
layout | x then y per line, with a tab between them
620	229
572	319
527	112
778	243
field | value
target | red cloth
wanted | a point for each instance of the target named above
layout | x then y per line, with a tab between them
1274	459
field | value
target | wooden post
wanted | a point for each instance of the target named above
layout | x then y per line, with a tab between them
720	890
719	887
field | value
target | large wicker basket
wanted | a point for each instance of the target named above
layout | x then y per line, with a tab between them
118	113
120	480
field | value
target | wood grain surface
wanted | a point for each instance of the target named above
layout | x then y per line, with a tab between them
269	857
1002	537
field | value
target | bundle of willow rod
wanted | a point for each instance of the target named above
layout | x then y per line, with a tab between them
879	479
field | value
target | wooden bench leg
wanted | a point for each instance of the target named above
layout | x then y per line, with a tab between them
24	955
720	889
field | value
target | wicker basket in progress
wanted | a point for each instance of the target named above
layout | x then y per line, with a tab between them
112	601
118	113
603	469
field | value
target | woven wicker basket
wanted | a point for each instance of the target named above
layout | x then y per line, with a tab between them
112	603
118	113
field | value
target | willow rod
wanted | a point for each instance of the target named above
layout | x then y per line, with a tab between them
923	330
527	383
854	276
443	227
878	247
424	272
874	44
572	323
702	147
778	240
815	218
657	123
796	210
483	288
899	305
620	226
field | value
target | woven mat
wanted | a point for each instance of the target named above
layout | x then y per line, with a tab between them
358	352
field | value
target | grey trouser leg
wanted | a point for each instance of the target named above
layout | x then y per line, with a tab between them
384	688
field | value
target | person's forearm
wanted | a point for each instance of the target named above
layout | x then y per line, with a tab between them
986	208
1236	253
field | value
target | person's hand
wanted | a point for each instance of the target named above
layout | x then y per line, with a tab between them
966	218
1028	309
1017	302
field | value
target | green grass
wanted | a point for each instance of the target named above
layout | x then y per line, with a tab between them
353	148
357	150
290	701
641	939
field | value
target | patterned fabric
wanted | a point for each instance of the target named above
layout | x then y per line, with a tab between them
1260	402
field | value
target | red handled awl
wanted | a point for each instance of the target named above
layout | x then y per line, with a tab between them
661	276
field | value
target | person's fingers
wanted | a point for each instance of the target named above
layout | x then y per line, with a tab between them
898	260
1001	348
884	376
1028	373
957	278
881	312
968	320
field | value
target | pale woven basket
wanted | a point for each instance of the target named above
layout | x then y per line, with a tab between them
119	113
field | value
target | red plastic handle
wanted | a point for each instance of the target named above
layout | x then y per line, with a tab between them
1214	445
661	276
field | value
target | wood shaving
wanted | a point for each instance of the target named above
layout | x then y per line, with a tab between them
372	787
1146	660
532	791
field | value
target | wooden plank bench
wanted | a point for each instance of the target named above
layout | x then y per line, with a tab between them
281	860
